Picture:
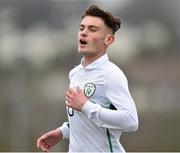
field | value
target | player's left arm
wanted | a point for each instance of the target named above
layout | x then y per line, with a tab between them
124	117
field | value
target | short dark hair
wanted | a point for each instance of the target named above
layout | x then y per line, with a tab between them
111	21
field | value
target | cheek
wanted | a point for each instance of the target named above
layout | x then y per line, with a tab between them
97	40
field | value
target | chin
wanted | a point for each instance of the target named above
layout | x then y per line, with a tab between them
82	51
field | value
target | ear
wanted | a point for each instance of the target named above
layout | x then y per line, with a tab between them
109	39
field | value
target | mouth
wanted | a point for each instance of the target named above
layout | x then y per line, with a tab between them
83	42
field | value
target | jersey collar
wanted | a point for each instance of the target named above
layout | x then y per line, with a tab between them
104	58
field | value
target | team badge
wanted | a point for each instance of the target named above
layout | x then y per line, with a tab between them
89	89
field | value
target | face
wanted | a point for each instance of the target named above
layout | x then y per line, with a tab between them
93	36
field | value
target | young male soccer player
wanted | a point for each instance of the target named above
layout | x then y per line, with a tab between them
99	103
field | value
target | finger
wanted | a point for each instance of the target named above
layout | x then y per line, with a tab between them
39	142
71	91
44	148
68	104
47	147
69	95
79	90
41	146
68	100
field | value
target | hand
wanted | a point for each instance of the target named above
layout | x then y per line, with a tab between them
75	99
49	139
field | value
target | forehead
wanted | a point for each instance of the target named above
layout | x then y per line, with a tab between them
91	20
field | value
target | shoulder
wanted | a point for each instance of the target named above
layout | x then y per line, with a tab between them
113	70
74	70
114	75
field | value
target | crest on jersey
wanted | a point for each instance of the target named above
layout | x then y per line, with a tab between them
89	89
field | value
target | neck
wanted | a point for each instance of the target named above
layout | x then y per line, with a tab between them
89	59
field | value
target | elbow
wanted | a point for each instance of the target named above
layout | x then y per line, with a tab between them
133	125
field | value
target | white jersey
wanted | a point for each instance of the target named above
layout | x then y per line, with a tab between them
98	127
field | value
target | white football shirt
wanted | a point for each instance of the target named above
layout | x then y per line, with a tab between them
98	127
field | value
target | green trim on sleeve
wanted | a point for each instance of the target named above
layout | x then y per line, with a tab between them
109	140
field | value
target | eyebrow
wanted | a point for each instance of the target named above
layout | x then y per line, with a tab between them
90	26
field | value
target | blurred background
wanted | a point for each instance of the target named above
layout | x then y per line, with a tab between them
38	47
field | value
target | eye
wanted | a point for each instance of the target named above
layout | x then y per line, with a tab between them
81	28
93	29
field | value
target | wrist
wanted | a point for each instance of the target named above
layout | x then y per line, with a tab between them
83	104
59	133
86	107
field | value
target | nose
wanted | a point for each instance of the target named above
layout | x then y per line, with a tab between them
84	33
